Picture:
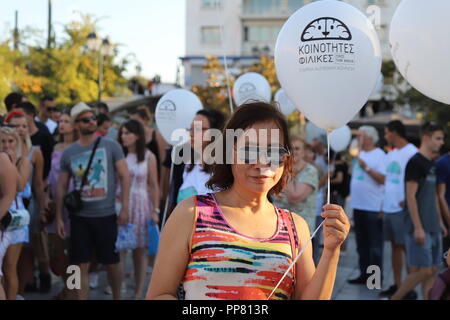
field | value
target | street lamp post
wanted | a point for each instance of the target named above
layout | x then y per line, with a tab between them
104	48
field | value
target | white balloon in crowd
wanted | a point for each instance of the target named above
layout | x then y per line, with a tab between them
328	60
251	87
340	138
285	104
176	110
420	46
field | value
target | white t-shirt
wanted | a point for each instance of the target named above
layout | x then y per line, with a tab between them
366	193
394	186
194	183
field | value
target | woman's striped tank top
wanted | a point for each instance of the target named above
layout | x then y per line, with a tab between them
225	264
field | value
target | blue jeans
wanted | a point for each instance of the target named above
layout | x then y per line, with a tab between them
369	239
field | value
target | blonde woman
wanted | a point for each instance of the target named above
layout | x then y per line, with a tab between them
36	207
11	144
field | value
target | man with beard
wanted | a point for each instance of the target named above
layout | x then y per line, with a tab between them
95	225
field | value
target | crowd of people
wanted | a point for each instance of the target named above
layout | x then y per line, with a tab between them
94	191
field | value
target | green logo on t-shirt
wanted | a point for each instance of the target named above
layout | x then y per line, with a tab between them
359	172
395	171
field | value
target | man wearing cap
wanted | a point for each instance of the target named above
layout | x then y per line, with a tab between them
366	197
95	225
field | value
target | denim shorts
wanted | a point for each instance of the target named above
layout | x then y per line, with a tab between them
394	227
427	255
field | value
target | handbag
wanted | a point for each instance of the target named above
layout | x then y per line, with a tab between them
15	219
72	200
441	287
126	238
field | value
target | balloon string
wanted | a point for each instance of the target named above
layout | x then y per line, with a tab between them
315	231
328	170
227	77
295	260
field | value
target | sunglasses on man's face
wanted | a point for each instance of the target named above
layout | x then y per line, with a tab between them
87	119
52	109
253	155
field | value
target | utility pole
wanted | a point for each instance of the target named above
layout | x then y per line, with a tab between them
49	35
16	32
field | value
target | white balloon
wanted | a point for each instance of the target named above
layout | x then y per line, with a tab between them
285	104
174	114
340	138
328	59
250	87
420	46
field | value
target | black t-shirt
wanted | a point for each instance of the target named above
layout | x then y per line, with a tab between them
343	187
423	171
45	141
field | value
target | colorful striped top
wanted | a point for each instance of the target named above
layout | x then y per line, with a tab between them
225	264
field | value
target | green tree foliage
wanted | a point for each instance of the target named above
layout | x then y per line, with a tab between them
67	71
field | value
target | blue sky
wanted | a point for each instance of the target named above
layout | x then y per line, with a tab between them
154	30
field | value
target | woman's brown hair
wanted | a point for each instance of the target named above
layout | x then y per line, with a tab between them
246	116
134	127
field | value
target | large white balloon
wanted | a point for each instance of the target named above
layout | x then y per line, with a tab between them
285	104
340	138
250	87
174	114
420	46
328	60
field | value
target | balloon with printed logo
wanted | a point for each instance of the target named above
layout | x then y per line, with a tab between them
174	114
340	138
251	87
284	103
328	59
420	46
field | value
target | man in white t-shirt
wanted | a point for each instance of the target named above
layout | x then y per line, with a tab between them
367	190
394	198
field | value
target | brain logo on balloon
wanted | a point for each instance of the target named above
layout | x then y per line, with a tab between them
247	88
326	29
168	105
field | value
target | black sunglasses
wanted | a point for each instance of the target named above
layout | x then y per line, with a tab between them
86	119
253	154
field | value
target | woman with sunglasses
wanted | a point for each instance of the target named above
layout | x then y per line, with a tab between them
144	195
58	245
235	244
11	144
